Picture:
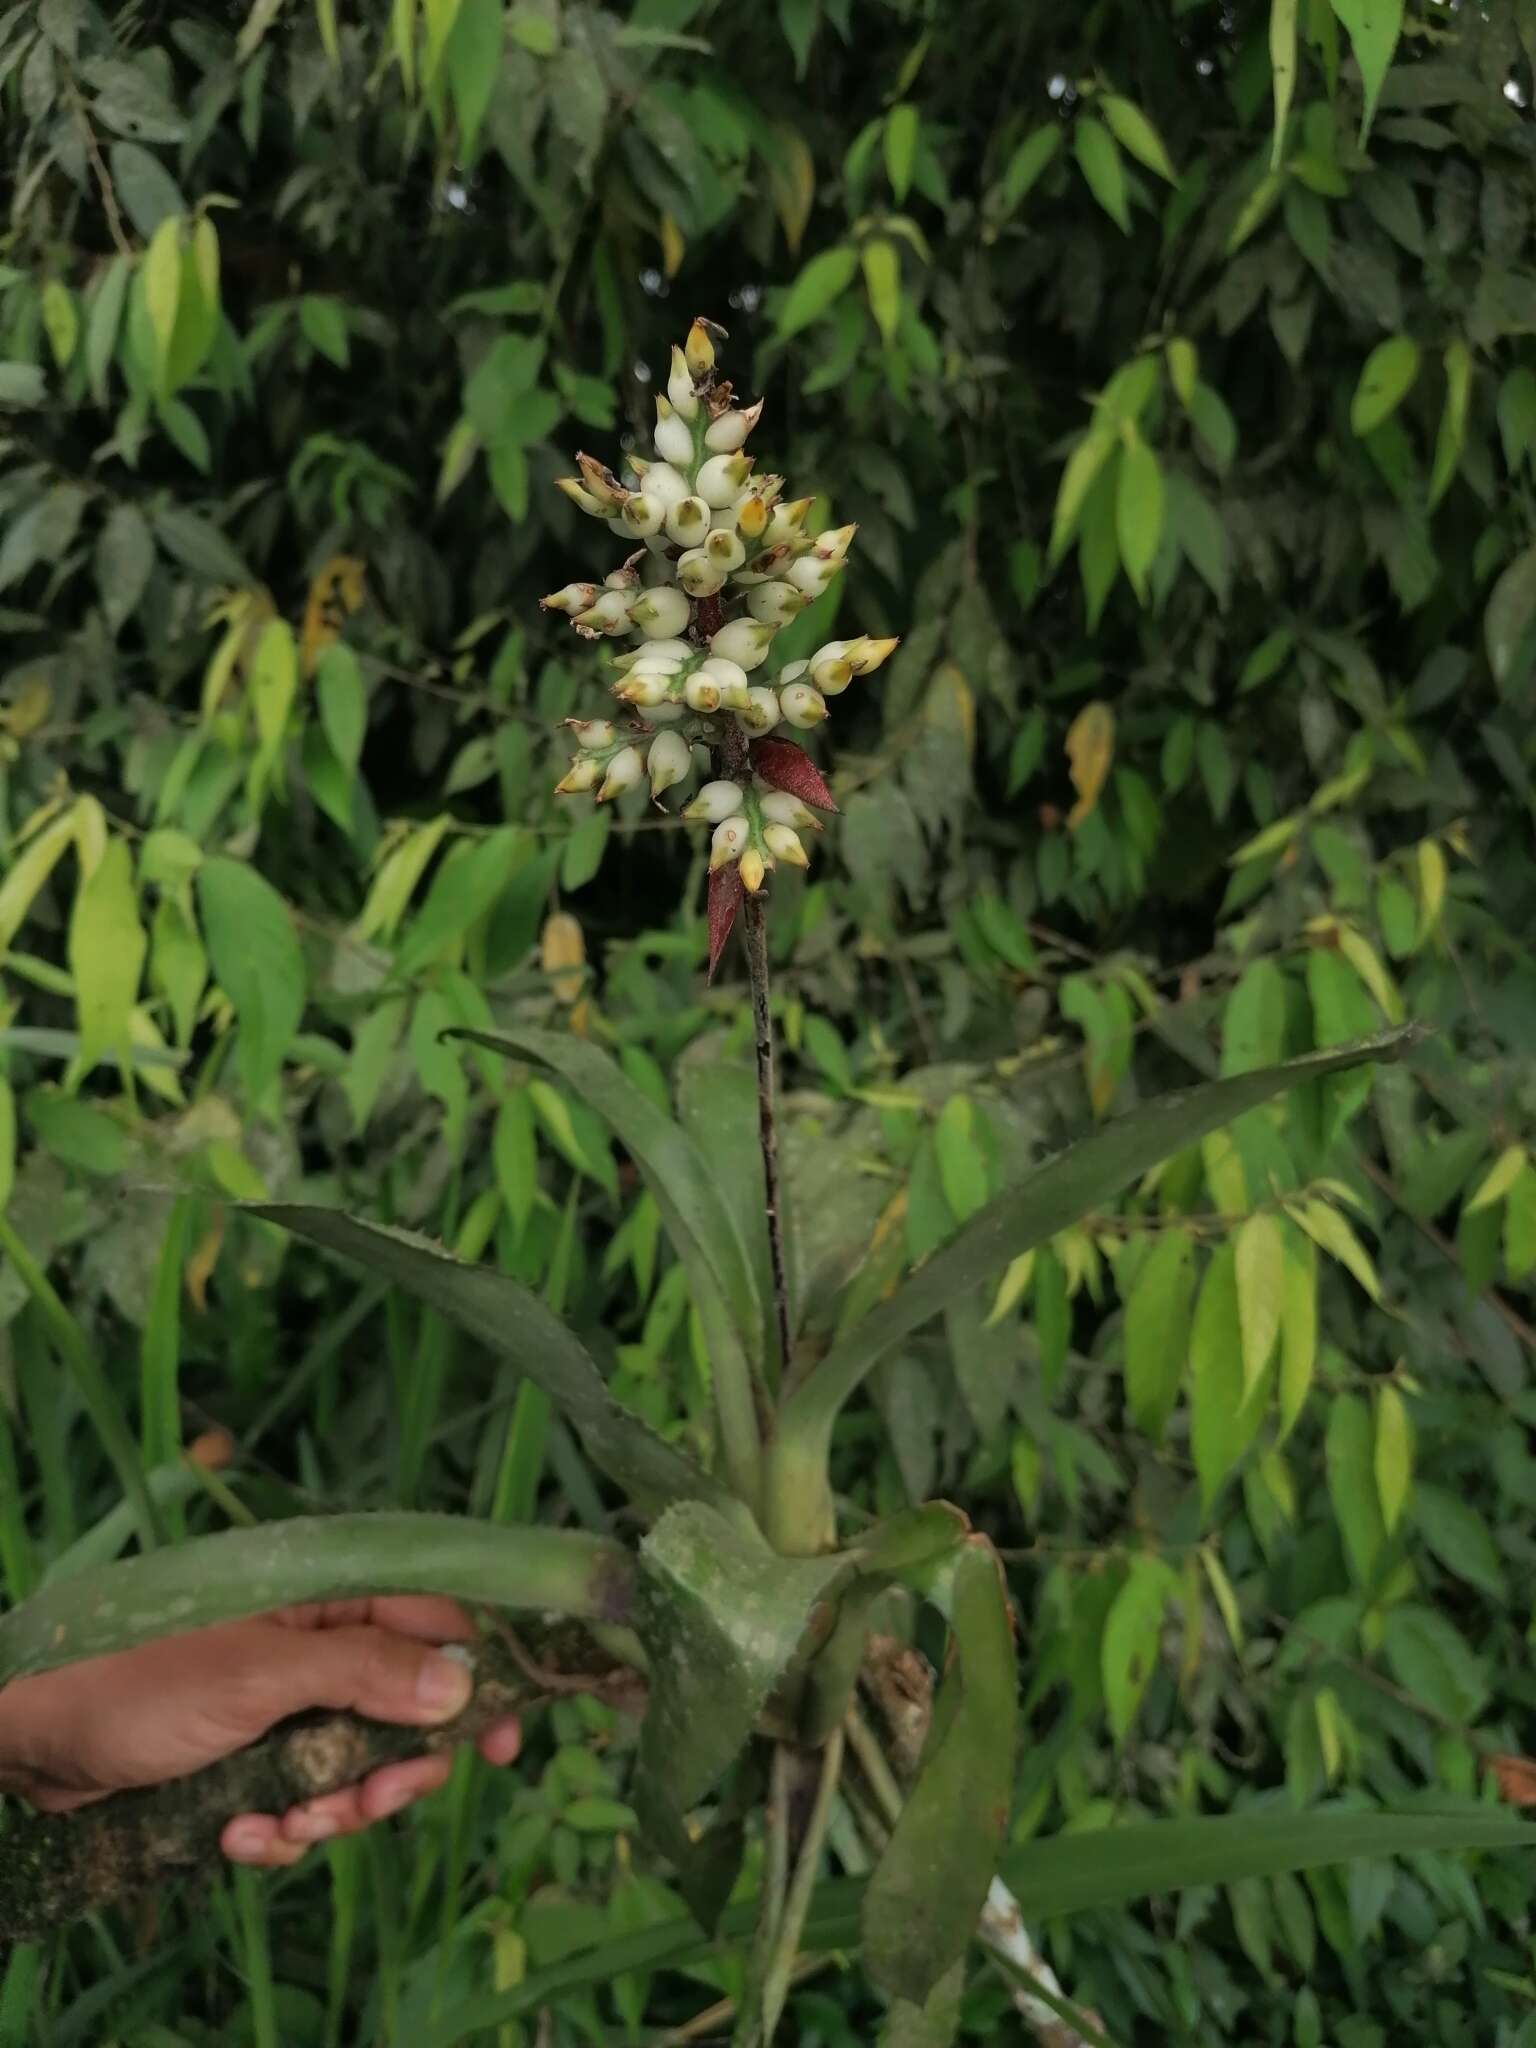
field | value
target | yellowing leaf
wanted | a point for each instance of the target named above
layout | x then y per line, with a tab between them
673	246
335	592
106	953
394	884
162	289
1282	63
1498	1181
1225	1597
882	280
1259	1252
61	322
1331	1234
1298	1329
1090	754
563	955
1012	1288
29	870
792	180
1139	512
1432	880
1077	479
1393	1457
1362	957
1385	382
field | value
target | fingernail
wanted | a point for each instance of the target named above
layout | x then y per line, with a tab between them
245	1838
443	1686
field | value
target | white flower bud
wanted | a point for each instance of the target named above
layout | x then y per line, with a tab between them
581	775
665	714
625	577
617	526
791	672
624	772
723	436
783	842
803	706
661	613
609	613
674	438
642	515
832	677
644	663
810	575
701	693
724	549
833	546
715	802
680	389
866	655
775	604
662	650
643	690
664	484
688	522
744	641
593	732
760	713
571	597
581	497
668	761
699	575
728	841
753	868
787	522
730	677
780	808
721	479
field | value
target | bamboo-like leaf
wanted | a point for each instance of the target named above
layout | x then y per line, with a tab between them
516	1326
1057	1195
928	1890
1072	1874
699	1221
313	1557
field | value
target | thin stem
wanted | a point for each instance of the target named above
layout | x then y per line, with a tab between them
95	1390
802	1884
770	1912
865	1744
755	928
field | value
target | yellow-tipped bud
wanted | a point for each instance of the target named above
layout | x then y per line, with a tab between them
866	655
752	516
581	497
716	802
579	777
833	546
783	842
729	841
699	350
624	772
571	597
802	706
753	869
680	386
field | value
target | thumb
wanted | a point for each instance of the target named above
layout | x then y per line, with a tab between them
369	1670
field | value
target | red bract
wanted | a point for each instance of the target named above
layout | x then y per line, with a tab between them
783	765
724	902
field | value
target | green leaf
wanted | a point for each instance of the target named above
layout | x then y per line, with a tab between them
323	323
1458	1536
146	189
162	294
1225	1414
1077	480
1498	1180
1430	1658
515	1325
1260	1265
1157	1317
1099	159
927	1891
343	707
22	385
1386	380
823	280
1298	1328
106	952
882	280
1139	512
900	147
473	65
1452	436
1132	1632
1350	1462
1048	1202
1282	64
1028	164
721	1617
1373	27
256	961
1393	1456
698	1219
1135	133
1509	624
962	1163
315	1557
125	555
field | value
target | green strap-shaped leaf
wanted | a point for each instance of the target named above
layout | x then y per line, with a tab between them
516	1326
927	1892
1059	1194
313	1557
698	1218
1072	1874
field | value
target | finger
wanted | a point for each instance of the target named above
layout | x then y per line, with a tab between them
254	1838
502	1742
422	1615
319	1820
396	1785
372	1671
49	1797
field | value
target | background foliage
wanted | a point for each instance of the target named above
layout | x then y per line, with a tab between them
1195	467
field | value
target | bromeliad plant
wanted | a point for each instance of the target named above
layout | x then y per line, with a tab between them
760	1629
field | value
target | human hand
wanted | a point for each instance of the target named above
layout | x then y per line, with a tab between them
172	1707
